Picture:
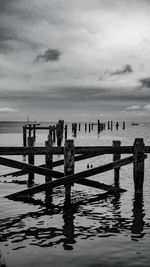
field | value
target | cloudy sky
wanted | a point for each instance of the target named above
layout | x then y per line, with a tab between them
77	60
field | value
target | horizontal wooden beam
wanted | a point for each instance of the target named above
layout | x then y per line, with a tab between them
74	177
30	168
31	150
60	150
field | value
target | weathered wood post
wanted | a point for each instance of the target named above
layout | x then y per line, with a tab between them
138	166
111	125
50	133
85	127
108	125
89	127
79	126
30	130
116	156
48	165
24	136
54	135
31	161
49	157
98	126
34	132
69	152
65	131
59	137
124	125
117	125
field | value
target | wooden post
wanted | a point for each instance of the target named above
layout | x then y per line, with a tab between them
49	158
30	130
79	126
49	165
111	125
59	137
69	152
34	132
117	125
138	166
108	125
54	136
116	156
98	125
65	131
85	127
124	125
24	136
31	161
50	134
89	127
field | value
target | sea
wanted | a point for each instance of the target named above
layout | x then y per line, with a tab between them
93	230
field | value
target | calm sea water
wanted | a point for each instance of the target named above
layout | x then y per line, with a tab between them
92	231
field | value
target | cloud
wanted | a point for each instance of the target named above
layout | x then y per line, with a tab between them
126	69
8	110
145	82
49	55
133	107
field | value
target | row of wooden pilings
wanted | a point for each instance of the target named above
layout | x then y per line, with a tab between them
59	129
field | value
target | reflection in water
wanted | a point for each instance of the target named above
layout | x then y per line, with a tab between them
68	227
138	216
102	216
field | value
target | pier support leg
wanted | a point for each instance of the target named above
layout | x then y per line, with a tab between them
49	158
24	136
48	165
30	130
65	131
31	161
34	132
116	156
54	134
69	152
138	166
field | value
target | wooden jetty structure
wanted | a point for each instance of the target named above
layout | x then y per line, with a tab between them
72	154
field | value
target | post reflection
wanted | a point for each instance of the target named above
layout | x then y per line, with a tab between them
138	216
68	227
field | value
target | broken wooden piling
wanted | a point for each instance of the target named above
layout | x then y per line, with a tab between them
138	166
116	156
69	153
31	161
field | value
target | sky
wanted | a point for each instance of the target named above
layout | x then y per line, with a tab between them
77	60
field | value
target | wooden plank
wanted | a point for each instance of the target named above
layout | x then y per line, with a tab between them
55	164
60	150
31	150
30	168
74	177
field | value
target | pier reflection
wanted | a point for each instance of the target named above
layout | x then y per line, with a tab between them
102	217
68	227
138	216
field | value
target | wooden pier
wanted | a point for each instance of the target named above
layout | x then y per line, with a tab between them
72	154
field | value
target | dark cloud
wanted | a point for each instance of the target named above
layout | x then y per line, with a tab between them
126	69
49	55
145	82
